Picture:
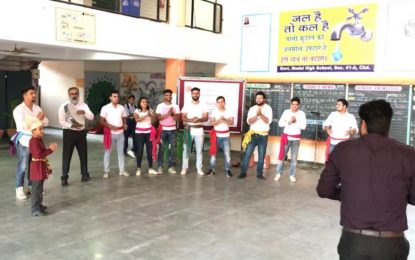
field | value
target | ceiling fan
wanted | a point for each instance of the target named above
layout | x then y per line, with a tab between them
18	51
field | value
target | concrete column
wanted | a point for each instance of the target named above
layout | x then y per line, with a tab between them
177	12
174	70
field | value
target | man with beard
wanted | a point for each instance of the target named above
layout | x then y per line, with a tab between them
22	137
293	120
373	178
194	114
72	116
167	114
259	118
339	125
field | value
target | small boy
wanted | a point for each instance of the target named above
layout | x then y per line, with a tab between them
39	166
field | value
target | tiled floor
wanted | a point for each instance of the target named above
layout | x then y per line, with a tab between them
169	217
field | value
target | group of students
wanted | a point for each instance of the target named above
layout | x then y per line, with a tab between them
120	122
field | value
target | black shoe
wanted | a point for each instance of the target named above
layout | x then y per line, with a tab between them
39	213
43	208
241	176
85	178
260	177
64	182
210	172
229	174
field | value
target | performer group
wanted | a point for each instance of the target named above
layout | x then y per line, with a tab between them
138	120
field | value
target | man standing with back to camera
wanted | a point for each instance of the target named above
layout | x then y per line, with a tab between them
373	177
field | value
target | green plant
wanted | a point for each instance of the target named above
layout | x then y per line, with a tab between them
8	116
98	95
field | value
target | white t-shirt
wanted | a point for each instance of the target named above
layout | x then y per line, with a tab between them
195	110
114	116
340	124
145	124
216	114
293	129
168	123
19	114
259	125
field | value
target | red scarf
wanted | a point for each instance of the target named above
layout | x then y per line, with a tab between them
212	133
283	142
107	138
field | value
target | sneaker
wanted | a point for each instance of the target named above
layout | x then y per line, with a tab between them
260	177
200	172
160	170
131	154
228	173
184	171
106	175
210	172
43	208
28	192
277	177
39	213
242	175
172	170
293	179
20	193
152	171
124	173
138	172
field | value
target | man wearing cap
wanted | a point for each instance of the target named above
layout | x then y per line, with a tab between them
72	116
22	137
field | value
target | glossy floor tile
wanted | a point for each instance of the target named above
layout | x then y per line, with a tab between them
169	216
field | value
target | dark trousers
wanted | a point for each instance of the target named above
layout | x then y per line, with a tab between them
130	132
141	140
37	197
360	247
168	140
72	139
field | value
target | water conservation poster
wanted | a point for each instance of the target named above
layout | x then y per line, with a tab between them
340	39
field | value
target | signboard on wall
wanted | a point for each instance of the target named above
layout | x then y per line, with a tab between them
255	42
340	39
210	89
75	26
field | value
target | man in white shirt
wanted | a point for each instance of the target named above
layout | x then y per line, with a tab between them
259	118
194	113
167	114
293	120
74	133
130	107
221	120
339	125
113	119
22	137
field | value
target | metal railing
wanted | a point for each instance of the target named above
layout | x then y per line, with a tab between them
204	15
155	10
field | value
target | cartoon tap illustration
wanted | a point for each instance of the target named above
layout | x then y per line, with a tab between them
355	29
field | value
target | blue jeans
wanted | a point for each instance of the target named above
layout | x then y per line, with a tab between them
261	142
199	155
294	145
224	143
22	153
168	140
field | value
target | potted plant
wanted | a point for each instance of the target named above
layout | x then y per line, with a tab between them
11	130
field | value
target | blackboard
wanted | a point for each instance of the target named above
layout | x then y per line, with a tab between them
278	97
319	98
397	95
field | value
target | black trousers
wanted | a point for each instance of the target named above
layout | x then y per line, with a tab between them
359	247
72	139
37	197
141	140
130	132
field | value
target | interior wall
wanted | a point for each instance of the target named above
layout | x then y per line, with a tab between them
56	77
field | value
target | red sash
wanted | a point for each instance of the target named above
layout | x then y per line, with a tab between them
107	138
212	133
283	142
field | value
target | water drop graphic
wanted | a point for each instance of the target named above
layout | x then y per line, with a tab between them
337	54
